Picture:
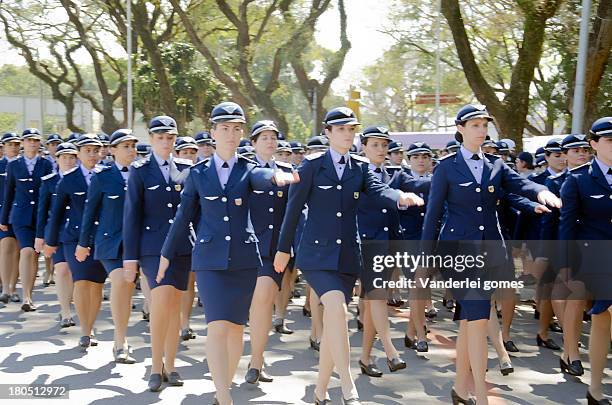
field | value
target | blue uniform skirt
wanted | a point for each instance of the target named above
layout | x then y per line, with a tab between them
7	234
267	269
226	294
25	235
111	264
322	281
177	274
58	256
600	306
89	270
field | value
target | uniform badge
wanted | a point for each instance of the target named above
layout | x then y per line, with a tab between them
279	194
238	201
356	195
491	189
177	187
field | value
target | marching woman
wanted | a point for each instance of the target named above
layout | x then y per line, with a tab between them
63	229
586	217
468	184
9	250
267	211
151	201
104	206
329	254
187	148
377	226
23	178
225	255
66	155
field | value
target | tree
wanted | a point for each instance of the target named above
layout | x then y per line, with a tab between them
249	46
511	111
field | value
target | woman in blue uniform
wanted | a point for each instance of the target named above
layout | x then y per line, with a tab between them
377	226
9	250
19	208
267	210
152	198
468	183
187	148
66	155
329	254
88	276
104	206
225	255
586	217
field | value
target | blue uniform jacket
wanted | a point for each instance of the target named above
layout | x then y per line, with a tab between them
150	207
330	232
413	218
21	192
45	199
225	238
69	202
104	206
471	207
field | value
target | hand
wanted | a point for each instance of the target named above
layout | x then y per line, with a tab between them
39	244
129	271
281	260
81	253
49	250
541	209
4	228
282	178
164	263
545	197
411	199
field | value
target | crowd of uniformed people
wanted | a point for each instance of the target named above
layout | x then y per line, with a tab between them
242	215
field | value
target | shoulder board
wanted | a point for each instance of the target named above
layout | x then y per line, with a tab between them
314	156
248	160
446	156
201	162
71	170
490	156
48	176
182	161
360	158
584	166
284	164
558	175
142	162
100	168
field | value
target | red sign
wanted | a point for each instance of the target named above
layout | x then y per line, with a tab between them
431	99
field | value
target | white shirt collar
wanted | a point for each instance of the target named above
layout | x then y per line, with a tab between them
604	167
219	162
468	155
85	171
336	157
264	162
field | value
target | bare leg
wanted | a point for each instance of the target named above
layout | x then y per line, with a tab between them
572	328
260	318
326	367
83	291
496	336
161	301
217	356
27	272
599	345
146	291
335	330
235	347
508	302
187	298
380	317
64	287
316	310
9	262
462	376
173	316
121	305
477	352
369	331
282	298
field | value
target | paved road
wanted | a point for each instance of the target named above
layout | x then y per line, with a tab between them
33	349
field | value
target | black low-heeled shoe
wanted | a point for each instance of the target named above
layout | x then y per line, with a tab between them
572	368
359	325
592	401
458	400
252	375
409	343
84	341
511	347
548	343
369	370
174	379
396	364
155	382
351	401
505	367
422	346
306	312
314	345
555	327
318	401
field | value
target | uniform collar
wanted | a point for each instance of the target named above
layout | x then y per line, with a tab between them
159	160
467	155
604	167
219	162
85	171
11	159
336	157
264	162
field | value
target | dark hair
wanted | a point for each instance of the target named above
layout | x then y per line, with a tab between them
365	140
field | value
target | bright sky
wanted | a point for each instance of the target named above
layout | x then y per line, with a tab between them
365	18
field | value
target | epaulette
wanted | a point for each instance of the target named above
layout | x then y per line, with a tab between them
183	161
248	160
100	168
71	170
586	165
447	156
360	158
139	163
490	156
48	176
314	156
284	164
558	175
203	161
